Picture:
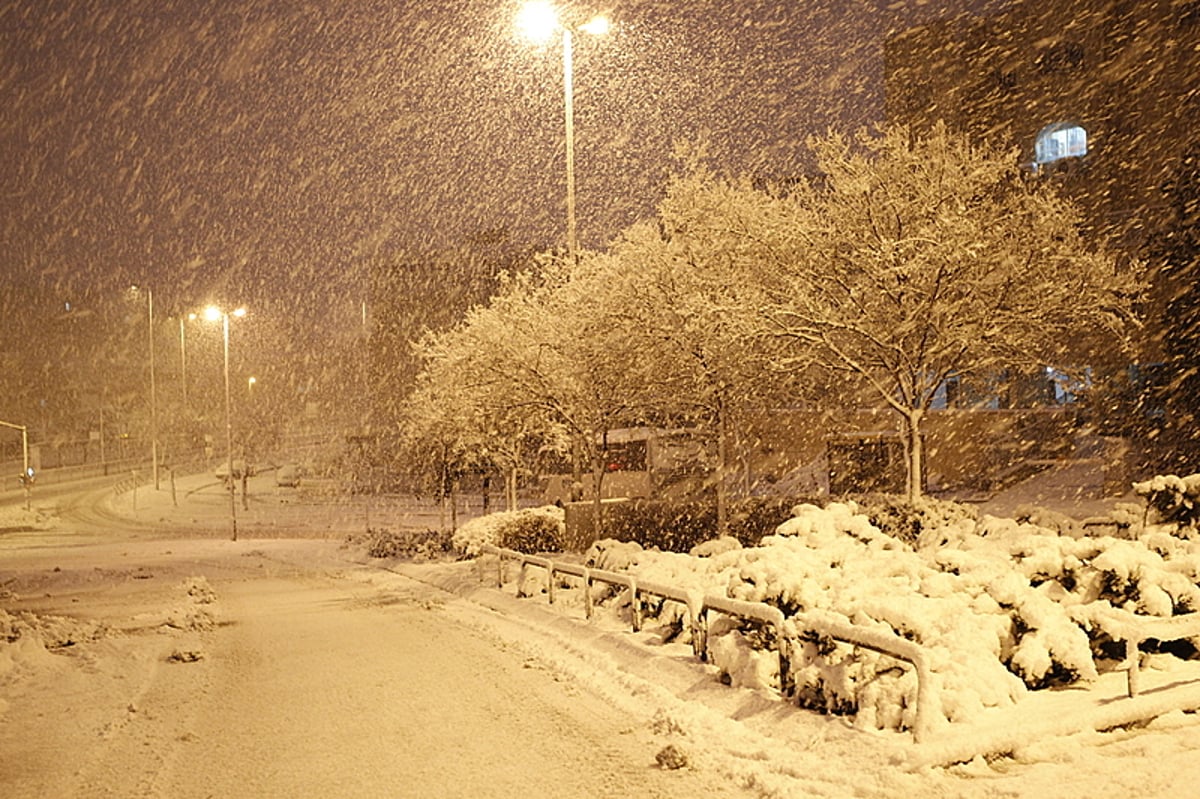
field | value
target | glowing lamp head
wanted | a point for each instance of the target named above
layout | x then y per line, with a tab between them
596	26
537	20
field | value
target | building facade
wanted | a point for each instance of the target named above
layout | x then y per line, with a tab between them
1100	95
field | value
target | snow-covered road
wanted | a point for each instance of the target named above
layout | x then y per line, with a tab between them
231	670
153	657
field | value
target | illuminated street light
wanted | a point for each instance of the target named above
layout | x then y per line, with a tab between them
538	20
212	313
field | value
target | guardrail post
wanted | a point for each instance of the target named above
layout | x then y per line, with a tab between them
521	579
550	581
587	593
701	645
1132	656
694	627
787	685
635	604
499	570
925	705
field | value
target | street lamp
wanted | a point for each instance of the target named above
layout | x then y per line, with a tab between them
183	392
153	399
212	313
539	20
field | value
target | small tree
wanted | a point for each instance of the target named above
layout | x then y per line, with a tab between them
681	286
917	257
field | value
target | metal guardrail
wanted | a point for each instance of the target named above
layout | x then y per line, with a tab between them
788	630
1133	629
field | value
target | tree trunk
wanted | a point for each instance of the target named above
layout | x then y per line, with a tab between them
722	468
597	505
511	482
916	453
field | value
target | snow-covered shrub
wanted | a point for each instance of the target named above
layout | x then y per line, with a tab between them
715	546
612	555
528	530
834	560
751	518
1173	499
1000	606
1059	523
385	543
669	525
677	526
913	522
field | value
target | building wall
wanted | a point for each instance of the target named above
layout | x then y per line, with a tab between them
1127	72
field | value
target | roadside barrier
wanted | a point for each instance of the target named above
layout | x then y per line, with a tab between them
789	631
1133	629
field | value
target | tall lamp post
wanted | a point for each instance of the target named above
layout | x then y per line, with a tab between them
539	20
134	291
183	319
212	313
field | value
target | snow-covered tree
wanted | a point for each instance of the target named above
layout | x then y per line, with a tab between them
465	387
680	286
918	257
540	349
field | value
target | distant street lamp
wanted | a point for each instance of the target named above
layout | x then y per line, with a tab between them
539	20
153	398
212	313
183	390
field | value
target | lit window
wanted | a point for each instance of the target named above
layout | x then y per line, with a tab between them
1060	140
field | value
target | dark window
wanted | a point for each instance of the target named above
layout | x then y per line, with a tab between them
1189	14
1063	57
1005	80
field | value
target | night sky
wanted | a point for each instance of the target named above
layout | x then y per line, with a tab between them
272	147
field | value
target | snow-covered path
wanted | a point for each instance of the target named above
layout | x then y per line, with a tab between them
167	661
277	680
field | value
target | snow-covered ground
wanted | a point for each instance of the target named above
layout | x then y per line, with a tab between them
737	740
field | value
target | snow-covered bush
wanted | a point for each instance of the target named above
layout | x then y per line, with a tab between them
751	518
385	543
1173	499
1000	606
715	546
671	526
528	530
612	555
912	522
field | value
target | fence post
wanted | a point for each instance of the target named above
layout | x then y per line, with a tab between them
787	685
1132	657
635	604
550	581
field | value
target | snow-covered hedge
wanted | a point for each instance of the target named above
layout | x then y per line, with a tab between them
994	601
528	530
1174	500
